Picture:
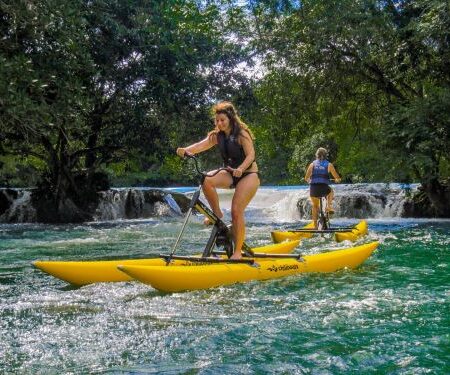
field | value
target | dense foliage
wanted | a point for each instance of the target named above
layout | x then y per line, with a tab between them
370	77
104	86
99	92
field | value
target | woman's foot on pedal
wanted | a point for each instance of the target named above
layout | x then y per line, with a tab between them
236	255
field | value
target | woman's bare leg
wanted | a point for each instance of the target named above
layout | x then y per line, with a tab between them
315	210
221	180
245	191
330	198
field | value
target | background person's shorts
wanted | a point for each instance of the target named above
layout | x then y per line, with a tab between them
319	190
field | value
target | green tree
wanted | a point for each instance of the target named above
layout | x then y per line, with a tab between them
43	99
90	84
380	65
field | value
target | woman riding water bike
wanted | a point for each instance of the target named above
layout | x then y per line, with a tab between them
317	175
235	142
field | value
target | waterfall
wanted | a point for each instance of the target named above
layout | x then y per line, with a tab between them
350	201
16	206
270	204
135	203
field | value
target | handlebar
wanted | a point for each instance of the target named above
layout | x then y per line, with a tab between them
332	180
202	173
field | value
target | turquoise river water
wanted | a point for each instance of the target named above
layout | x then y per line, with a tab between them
390	316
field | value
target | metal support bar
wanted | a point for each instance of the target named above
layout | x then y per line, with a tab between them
337	230
211	241
265	255
207	259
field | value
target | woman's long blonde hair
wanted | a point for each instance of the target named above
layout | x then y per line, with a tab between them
321	153
237	125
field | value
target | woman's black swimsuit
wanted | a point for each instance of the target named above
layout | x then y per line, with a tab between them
232	154
237	179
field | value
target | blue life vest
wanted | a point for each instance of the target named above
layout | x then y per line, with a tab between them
320	172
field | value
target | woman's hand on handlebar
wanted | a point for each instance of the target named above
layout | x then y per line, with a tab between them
235	172
182	152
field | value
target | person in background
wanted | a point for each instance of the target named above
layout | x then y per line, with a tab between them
235	142
317	175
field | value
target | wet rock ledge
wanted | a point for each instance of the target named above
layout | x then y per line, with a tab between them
22	206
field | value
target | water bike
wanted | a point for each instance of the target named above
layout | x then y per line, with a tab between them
323	226
218	249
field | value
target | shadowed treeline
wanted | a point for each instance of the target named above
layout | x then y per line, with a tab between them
94	94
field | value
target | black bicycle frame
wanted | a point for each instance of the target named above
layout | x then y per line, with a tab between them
323	218
219	230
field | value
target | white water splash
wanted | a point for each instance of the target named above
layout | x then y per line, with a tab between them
21	209
134	203
289	204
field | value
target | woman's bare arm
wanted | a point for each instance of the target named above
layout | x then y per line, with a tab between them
196	148
308	173
249	150
333	172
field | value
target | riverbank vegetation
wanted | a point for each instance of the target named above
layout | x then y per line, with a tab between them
101	93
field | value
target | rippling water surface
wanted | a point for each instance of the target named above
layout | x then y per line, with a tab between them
389	316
